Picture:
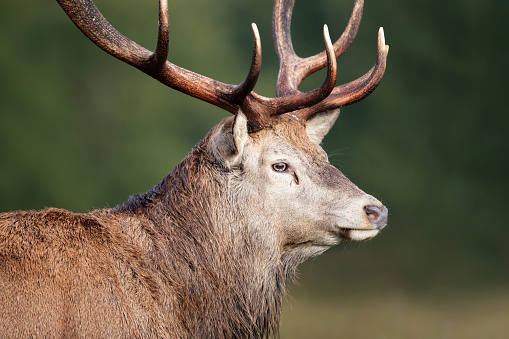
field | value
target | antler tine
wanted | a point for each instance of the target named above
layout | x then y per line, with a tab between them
92	23
316	62
260	109
291	99
163	35
356	90
300	100
294	69
242	90
359	89
281	22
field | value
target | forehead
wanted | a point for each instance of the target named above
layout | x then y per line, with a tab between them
289	133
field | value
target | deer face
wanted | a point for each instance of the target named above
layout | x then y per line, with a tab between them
289	182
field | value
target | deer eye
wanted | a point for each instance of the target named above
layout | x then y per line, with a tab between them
280	167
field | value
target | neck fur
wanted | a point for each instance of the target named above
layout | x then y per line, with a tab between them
224	281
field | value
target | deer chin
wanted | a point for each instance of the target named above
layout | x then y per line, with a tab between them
357	234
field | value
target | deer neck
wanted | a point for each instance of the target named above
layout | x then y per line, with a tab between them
227	278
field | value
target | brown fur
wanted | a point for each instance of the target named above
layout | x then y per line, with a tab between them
198	256
168	263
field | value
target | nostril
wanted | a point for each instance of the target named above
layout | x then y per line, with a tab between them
372	212
377	217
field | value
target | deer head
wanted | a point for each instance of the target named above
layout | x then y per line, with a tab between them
269	151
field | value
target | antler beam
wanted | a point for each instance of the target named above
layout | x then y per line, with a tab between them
92	23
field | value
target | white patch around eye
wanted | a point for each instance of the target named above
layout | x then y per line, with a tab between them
293	183
283	179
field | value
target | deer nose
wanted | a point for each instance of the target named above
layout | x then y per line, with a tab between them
377	217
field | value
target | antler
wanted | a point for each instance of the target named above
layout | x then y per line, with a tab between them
355	90
259	110
92	23
293	69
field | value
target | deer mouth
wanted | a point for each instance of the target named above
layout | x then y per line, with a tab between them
357	233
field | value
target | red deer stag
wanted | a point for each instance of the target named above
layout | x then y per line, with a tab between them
206	252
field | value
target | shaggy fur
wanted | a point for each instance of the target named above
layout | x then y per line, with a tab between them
167	263
205	254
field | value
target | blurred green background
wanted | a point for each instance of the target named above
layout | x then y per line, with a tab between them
80	130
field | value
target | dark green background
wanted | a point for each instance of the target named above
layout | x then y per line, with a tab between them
80	130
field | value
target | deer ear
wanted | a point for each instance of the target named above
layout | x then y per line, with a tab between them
319	125
227	144
239	132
